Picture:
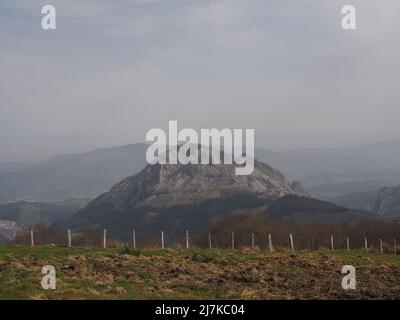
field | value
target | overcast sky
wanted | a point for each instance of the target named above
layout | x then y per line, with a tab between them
115	69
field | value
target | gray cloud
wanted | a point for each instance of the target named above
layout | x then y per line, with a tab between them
112	71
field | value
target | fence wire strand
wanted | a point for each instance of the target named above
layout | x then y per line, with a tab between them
254	241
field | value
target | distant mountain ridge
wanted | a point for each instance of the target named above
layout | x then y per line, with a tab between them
308	210
386	203
19	214
355	200
30	213
328	173
63	177
325	173
6	167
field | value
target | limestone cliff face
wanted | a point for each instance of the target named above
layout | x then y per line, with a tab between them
167	185
386	202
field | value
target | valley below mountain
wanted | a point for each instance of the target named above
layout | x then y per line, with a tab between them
14	216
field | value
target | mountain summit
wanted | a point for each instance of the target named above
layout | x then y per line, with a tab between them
194	193
166	185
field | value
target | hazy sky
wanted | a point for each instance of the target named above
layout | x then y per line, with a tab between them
115	69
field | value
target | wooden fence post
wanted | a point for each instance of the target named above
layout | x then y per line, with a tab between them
395	247
332	247
252	241
187	239
69	237
381	245
32	240
209	240
105	238
348	244
291	242
271	249
162	240
233	240
366	244
134	238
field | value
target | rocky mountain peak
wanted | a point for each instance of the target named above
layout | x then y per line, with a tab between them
171	184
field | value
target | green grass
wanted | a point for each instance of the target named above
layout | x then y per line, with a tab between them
205	255
125	273
130	251
357	257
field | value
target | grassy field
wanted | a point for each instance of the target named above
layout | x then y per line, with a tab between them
89	273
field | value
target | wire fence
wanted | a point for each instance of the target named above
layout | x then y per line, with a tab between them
229	240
